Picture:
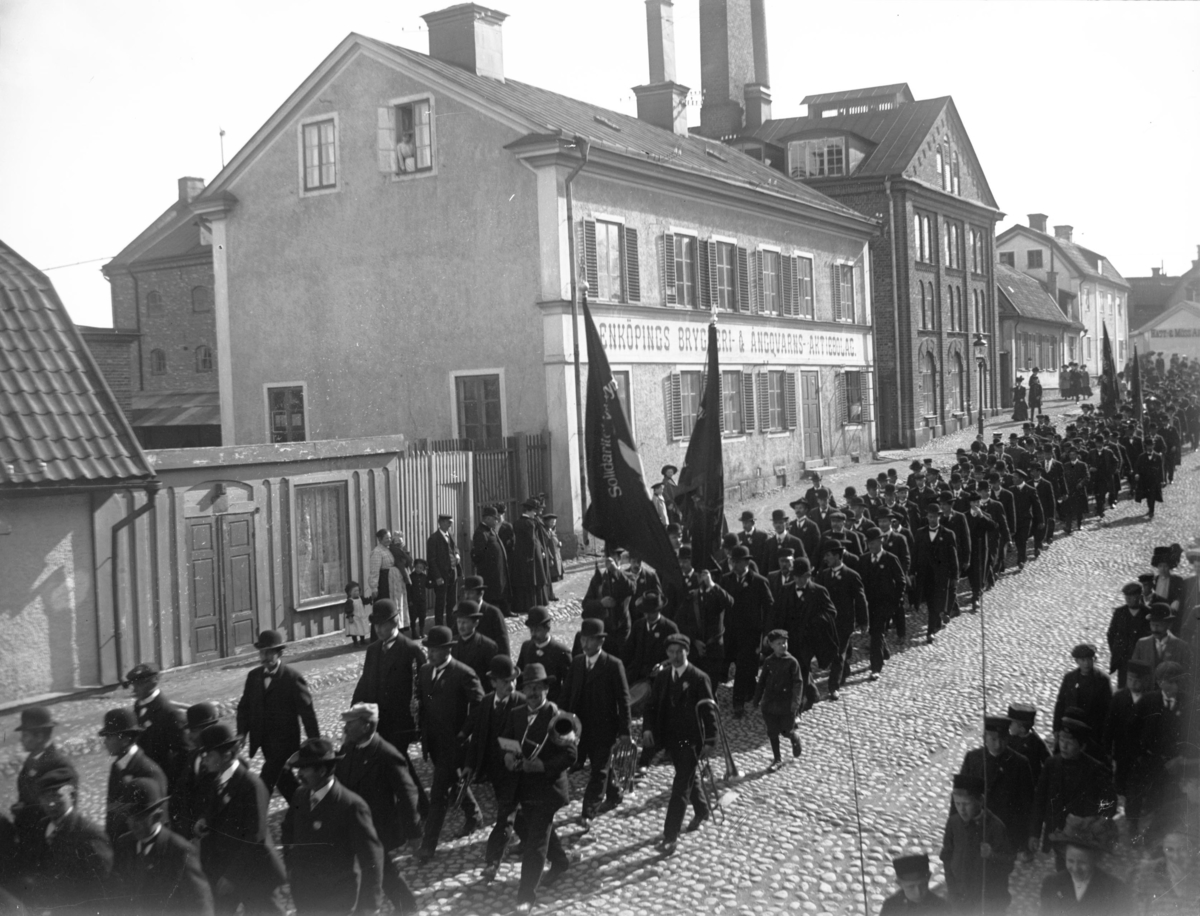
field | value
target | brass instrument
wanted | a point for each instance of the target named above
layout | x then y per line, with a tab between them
464	783
713	797
624	763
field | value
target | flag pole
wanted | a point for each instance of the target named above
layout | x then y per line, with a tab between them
582	145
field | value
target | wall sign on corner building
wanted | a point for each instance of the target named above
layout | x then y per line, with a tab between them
629	340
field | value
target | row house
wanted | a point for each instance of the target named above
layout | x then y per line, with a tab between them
1164	313
1033	333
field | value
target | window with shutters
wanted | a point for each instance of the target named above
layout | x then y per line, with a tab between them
204	358
804	287
772	290
844	292
749	404
726	276
319	146
690	388
406	138
158	362
478	407
852	398
286	421
608	261
685	271
776	400
731	403
611	262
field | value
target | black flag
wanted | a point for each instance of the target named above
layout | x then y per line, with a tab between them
1135	386
700	496
620	512
1110	395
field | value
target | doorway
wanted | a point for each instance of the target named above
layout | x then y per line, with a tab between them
224	596
810	414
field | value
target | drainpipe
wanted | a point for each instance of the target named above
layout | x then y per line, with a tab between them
582	145
151	487
887	189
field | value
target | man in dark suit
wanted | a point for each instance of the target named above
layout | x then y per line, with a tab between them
1027	507
808	615
935	564
745	625
120	733
491	619
445	567
804	528
675	723
529	567
275	700
484	758
191	788
378	773
472	648
1007	776
1048	499
712	604
884	584
333	854
490	559
647	645
597	691
1161	645
541	649
1129	623
161	720
778	541
781	580
820	513
898	542
813	495
448	691
755	540
67	867
1076	478
644	581
156	871
998	544
236	852
389	675
845	589
982	531
549	745
1085	688
957	523
37	740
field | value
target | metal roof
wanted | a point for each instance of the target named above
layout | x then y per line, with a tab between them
1028	298
59	423
182	408
850	94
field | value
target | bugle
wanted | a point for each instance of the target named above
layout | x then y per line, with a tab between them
624	763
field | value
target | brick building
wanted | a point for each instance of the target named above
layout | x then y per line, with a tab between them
160	355
907	163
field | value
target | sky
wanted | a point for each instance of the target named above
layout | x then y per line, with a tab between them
105	103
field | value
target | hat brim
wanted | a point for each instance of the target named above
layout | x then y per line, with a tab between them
260	646
33	728
111	732
146	809
549	680
1071	839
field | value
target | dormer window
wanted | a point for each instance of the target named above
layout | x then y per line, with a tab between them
822	157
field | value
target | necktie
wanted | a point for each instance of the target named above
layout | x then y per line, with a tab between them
144	847
312	801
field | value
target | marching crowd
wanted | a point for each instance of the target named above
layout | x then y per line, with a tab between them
186	826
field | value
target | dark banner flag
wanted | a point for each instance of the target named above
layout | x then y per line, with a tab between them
619	512
1110	395
1135	386
700	494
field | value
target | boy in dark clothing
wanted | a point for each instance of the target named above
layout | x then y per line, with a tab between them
418	590
779	690
976	852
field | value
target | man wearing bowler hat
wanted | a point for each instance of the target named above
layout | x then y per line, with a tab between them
445	567
491	620
542	649
275	700
120	734
448	692
935	565
37	739
845	589
472	648
754	540
804	528
333	855
780	540
884	584
528	566
597	691
745	624
914	895
191	786
389	675
490	559
161	720
670	489
236	853
1162	645
155	870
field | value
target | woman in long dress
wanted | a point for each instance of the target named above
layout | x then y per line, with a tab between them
385	578
1020	409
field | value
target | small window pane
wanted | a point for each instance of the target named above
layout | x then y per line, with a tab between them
771	290
685	270
320	169
689	400
286	409
731	402
775	397
608	261
322	527
805	271
479	415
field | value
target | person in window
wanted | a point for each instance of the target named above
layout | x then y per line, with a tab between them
386	579
406	153
1020	408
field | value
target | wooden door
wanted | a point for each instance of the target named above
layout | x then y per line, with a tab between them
1006	380
240	611
206	589
810	414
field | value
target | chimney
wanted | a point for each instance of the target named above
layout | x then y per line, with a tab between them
727	64
1037	222
758	94
662	102
1156	272
468	36
189	189
1063	232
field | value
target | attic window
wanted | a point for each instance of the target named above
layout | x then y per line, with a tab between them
600	119
714	154
821	157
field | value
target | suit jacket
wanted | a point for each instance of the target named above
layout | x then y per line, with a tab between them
484	728
752	602
237	843
444	707
937	557
189	795
809	616
1131	733
671	711
1047	497
115	820
711	608
492	625
547	789
957	522
845	588
1176	650
26	810
528	566
387	679
647	647
555	657
983	532
1006	499
166	879
1124	631
68	873
1027	506
378	774
1052	471
618	587
271	716
820	517
997	513
333	854
490	559
898	546
476	652
162	739
1090	692
809	533
1010	788
1081	786
883	582
1105	896
756	541
600	697
442	556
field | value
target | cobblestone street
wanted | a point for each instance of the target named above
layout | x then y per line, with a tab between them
789	842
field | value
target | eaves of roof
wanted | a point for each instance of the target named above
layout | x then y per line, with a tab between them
1174	310
1027	297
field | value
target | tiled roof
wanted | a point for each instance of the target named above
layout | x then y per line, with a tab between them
1027	297
1152	292
1091	263
848	95
59	423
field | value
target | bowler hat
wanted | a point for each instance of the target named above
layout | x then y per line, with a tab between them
366	712
802	567
681	640
143	672
443	517
784	552
779	516
836	547
269	639
1135	666
747	516
529	503
1160	610
502	667
141	795
591	627
1080	730
685	552
796	503
314	752
35	717
729	540
533	674
384	610
837	514
651	601
911	867
741	552
120	722
657	485
217	737
966	783
438	638
474	583
538	616
201	715
468	609
489	512
56	778
1096	833
1084	650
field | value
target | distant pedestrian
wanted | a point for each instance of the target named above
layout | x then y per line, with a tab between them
385	578
976	852
1020	408
1035	392
445	568
161	720
358	629
490	559
528	567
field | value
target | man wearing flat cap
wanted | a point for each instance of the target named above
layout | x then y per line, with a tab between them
445	567
1086	688
37	740
914	895
1161	645
1129	623
378	773
333	855
161	720
120	733
1007	777
976	852
1071	781
274	703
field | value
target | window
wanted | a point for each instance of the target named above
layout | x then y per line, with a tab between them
960	384
929	386
977	296
611	262
941	171
843	292
772	292
804	279
201	299
322	527
726	276
977	257
954	177
1193	292
776	400
952	239
685	270
852	397
285	409
1033	259
204	360
922	237
320	167
479	414
926	308
960	308
689	400
608	261
621	380
154	302
1071	349
158	362
947	180
821	157
731	403
1008	258
414	140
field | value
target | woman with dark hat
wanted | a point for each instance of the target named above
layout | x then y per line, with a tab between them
1168	586
1020	408
1083	887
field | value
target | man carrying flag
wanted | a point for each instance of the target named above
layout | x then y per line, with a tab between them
1110	396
